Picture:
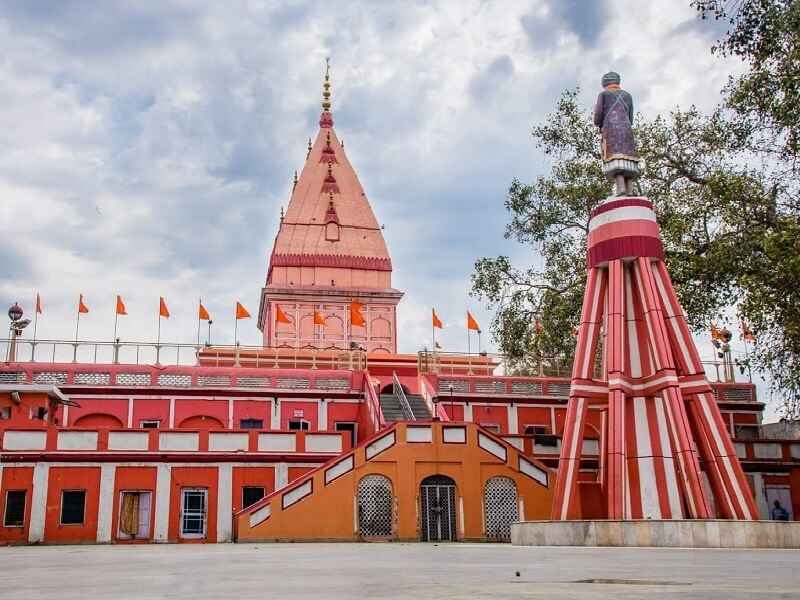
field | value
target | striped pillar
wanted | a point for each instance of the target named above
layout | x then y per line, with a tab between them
662	420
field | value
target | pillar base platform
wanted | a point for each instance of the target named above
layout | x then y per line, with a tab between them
679	533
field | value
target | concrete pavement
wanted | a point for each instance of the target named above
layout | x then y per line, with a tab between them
369	571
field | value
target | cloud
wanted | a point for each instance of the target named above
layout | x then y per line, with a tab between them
146	150
552	19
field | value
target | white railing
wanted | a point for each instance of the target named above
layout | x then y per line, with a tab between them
176	354
400	395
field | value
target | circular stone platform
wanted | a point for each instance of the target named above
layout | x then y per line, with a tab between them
655	533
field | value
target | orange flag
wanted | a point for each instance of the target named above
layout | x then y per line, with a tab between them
82	308
435	320
202	313
746	333
38	303
280	316
537	325
241	311
163	311
319	319
472	323
715	332
121	306
356	317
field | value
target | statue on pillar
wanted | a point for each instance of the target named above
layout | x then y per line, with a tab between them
613	114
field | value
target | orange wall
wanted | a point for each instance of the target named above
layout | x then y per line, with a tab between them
328	513
72	478
16	478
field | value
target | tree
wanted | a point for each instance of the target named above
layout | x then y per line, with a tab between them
765	34
727	228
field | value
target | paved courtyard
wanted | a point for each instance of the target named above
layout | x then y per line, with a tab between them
368	571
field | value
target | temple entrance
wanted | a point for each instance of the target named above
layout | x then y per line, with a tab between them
437	495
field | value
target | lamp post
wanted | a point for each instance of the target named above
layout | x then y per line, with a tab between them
15	330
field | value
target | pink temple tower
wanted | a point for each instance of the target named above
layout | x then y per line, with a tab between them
329	256
666	451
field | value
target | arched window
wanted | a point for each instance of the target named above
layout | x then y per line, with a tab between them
375	506
500	507
204	422
100	420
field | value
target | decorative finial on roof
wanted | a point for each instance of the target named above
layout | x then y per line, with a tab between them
281	214
309	149
326	119
329	185
294	185
326	86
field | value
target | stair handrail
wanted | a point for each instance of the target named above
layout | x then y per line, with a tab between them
400	395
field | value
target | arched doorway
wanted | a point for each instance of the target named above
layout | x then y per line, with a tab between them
437	496
500	508
375	506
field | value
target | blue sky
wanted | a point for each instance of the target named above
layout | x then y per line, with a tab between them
146	148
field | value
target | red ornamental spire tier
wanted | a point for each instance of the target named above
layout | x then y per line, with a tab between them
329	252
662	421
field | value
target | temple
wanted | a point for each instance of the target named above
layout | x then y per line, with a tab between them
326	432
329	253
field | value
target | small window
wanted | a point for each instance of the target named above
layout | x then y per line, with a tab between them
537	430
493	427
73	507
150	424
350	427
194	504
251	495
15	509
551	441
299	425
251	424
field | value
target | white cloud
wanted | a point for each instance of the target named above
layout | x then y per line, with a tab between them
147	152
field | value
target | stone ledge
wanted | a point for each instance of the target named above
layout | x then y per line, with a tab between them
659	533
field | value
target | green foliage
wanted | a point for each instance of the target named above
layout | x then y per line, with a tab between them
765	34
730	232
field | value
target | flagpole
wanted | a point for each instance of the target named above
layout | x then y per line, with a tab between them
116	318
479	341
77	324
35	317
235	328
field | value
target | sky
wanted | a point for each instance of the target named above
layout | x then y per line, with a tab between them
146	149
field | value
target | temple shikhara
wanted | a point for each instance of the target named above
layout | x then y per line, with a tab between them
326	432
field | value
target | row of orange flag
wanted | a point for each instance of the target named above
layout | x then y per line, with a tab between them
356	317
163	311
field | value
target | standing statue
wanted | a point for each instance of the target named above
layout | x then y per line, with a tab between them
613	114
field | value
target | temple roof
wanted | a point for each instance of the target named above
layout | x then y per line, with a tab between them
328	192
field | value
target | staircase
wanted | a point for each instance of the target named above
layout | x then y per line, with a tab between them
418	407
393	411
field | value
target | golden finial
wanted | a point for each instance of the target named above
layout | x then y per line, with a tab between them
295	181
326	86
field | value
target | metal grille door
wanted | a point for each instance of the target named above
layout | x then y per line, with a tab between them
438	509
500	507
375	504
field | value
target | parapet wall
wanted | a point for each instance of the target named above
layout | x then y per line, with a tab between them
656	533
